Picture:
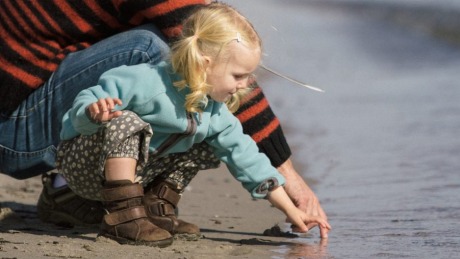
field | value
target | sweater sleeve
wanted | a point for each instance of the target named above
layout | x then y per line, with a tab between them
167	15
259	122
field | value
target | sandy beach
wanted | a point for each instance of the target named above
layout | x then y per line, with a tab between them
232	225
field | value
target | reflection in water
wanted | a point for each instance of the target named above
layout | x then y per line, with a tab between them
303	250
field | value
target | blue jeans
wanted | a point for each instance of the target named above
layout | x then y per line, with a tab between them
29	136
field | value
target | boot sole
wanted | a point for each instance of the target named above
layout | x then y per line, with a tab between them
124	241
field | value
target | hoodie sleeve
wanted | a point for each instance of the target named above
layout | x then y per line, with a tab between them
126	83
241	154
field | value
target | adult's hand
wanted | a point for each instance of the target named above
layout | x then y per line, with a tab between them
302	196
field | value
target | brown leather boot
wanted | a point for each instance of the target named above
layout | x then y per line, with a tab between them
126	221
160	201
63	207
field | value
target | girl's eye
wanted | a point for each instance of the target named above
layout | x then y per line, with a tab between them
240	77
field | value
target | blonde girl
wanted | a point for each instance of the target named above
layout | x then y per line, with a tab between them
138	137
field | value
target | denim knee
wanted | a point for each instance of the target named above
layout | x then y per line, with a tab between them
151	41
23	165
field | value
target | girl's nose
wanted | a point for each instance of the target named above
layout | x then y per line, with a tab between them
244	83
241	85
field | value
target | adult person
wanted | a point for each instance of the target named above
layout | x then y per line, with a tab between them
51	50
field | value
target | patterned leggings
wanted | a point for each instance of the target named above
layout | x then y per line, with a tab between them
81	160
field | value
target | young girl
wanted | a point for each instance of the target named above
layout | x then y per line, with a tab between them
137	138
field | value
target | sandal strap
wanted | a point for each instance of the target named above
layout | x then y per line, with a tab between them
126	215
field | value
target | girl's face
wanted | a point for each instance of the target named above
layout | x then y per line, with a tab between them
228	75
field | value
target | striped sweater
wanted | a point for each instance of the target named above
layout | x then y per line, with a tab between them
37	35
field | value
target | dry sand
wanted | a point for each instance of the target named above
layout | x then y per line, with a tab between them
232	225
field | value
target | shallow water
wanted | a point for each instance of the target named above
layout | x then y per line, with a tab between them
381	146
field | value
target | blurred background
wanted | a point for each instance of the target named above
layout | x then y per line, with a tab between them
381	146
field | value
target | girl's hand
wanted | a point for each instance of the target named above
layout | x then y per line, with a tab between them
102	110
300	219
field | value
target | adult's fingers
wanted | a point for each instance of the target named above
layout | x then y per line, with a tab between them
323	232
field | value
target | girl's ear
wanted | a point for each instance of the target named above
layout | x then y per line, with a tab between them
207	62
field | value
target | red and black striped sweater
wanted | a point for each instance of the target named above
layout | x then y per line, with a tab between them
37	35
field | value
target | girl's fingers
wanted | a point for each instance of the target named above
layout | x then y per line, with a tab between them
93	108
115	114
301	229
103	109
103	105
111	102
297	229
300	224
117	101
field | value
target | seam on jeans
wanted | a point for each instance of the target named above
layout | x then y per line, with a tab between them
5	150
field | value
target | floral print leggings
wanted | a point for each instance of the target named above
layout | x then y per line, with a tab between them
81	160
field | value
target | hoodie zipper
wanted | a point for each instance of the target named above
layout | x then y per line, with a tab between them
174	138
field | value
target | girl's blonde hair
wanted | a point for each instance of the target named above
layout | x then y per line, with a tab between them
207	32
